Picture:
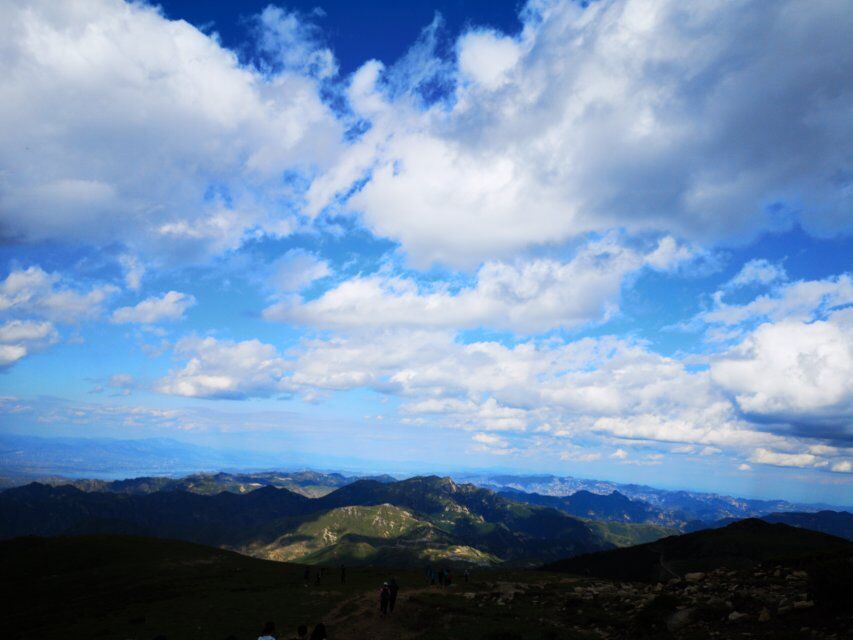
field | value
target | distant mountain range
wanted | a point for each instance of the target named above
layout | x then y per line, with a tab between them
681	510
413	521
311	484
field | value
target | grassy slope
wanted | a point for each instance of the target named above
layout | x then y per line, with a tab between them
381	534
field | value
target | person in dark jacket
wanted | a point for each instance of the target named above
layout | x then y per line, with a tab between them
393	588
319	632
384	599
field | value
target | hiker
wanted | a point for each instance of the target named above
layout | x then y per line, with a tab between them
319	632
307	575
317	579
466	574
441	577
302	632
448	579
384	599
343	574
268	632
393	588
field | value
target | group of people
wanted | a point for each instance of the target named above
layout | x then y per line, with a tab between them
444	577
388	597
318	576
319	632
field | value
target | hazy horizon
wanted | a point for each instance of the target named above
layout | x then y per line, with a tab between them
608	240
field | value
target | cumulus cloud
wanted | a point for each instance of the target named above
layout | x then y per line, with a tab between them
644	116
842	466
210	137
295	270
486	58
134	271
19	338
169	307
764	456
794	372
291	41
534	295
34	292
757	272
226	369
803	300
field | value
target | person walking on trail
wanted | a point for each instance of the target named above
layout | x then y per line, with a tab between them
384	599
268	632
317	579
302	632
393	588
466	575
307	575
319	632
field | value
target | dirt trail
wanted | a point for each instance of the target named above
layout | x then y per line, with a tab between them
358	618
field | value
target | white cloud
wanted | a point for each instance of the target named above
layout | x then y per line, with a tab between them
795	372
638	115
803	300
134	271
744	467
19	338
764	456
226	369
842	466
486	58
757	272
34	292
169	307
290	41
619	454
295	270
536	295
210	138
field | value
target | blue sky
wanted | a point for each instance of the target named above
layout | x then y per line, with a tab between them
606	240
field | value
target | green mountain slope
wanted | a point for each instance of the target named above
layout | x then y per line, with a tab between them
377	535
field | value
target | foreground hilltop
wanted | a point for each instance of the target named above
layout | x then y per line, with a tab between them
740	545
137	588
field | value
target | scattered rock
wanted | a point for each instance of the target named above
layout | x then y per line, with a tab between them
698	576
679	619
736	616
764	616
803	604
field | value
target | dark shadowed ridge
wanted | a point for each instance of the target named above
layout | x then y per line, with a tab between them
835	523
738	545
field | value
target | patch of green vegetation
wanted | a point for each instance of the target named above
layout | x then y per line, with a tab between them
624	534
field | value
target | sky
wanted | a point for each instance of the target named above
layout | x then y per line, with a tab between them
602	239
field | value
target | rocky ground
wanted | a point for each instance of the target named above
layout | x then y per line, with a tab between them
768	602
